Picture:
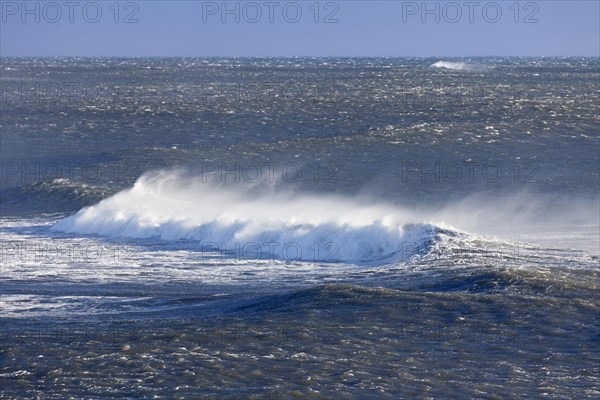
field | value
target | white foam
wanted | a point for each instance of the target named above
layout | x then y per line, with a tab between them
459	66
172	206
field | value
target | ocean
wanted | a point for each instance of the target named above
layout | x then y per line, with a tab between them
300	227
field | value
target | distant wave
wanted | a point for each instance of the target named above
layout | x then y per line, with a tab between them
460	66
175	207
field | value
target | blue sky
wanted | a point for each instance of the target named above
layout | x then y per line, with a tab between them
296	28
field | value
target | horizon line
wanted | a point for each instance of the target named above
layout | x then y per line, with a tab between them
303	56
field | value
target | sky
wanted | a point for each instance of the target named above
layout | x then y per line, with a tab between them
392	28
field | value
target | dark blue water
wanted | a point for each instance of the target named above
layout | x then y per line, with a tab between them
309	227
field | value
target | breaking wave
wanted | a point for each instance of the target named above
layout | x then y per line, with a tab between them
460	66
255	222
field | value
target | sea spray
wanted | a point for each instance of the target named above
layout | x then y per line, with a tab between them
173	206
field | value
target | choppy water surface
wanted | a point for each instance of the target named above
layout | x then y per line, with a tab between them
325	228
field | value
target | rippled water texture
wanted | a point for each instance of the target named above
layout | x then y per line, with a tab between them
311	228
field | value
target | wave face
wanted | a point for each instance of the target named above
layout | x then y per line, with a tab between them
253	224
459	66
55	195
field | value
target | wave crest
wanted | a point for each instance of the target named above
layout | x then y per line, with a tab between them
459	66
172	206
